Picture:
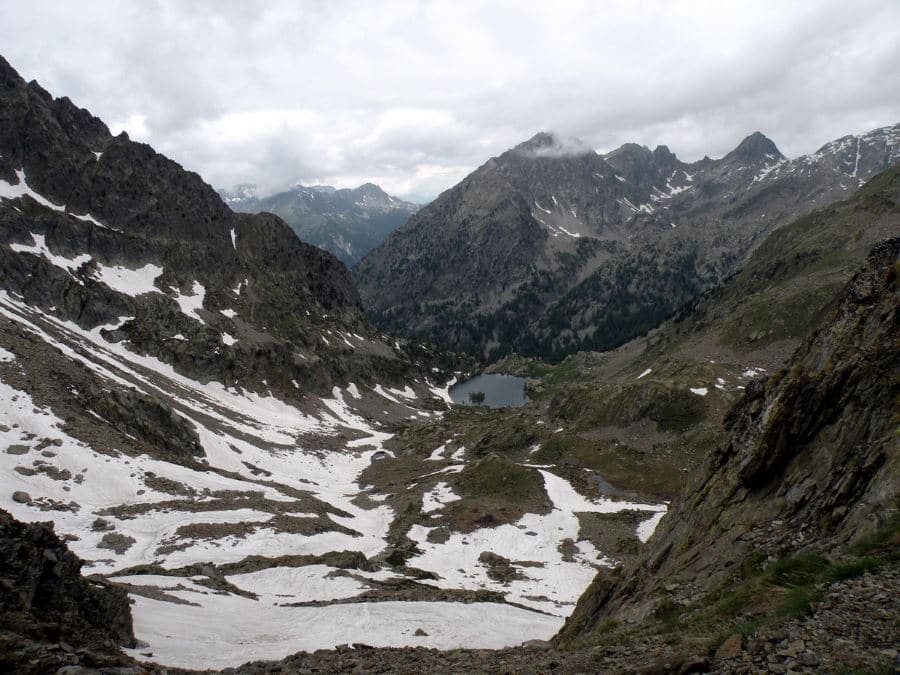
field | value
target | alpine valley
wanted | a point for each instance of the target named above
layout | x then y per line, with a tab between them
221	449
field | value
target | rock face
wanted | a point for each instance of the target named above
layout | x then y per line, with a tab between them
46	600
810	467
551	248
347	223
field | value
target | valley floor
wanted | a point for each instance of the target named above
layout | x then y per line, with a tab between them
302	525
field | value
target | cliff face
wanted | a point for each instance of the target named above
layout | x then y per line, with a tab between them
811	464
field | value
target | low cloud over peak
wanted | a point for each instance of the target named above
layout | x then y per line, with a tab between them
551	144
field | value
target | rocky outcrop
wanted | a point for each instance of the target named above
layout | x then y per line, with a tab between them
811	465
51	616
146	418
551	248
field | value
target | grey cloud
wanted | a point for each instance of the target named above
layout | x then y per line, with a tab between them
414	95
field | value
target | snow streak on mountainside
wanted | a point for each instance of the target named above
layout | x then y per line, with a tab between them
347	223
551	248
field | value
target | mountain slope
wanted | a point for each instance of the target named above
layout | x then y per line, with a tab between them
648	412
347	223
809	471
104	228
185	386
551	248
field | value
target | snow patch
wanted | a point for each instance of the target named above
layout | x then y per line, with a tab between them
298	584
439	495
552	586
39	247
10	191
127	281
190	304
438	453
208	636
648	527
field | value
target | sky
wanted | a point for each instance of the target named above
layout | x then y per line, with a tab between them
415	95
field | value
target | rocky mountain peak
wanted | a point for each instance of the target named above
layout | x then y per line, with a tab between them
662	153
240	192
372	190
754	149
630	152
630	206
324	189
541	139
346	222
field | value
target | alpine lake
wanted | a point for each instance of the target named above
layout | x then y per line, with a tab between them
490	390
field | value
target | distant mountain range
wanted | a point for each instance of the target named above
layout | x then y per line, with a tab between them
552	248
347	223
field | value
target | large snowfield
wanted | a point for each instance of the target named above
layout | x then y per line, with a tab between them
258	456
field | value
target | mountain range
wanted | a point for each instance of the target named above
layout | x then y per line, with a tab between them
552	248
347	223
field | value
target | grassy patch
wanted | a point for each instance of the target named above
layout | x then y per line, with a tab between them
499	478
854	568
801	569
764	596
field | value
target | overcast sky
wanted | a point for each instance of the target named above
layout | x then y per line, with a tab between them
414	95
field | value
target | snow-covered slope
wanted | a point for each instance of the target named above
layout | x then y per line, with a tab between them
268	515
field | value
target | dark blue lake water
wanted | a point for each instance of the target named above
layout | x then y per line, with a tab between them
500	391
